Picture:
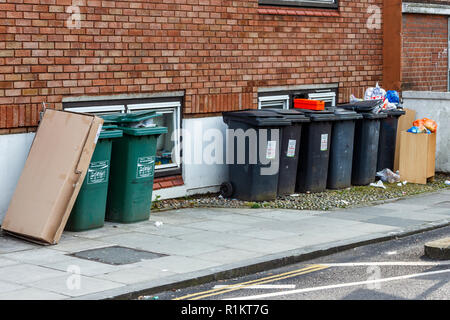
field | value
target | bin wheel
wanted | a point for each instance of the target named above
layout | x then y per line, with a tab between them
226	190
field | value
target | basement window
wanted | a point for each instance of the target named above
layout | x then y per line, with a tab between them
329	97
333	4
168	152
168	146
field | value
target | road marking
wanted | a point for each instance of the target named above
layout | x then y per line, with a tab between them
262	282
239	286
263	286
387	263
351	284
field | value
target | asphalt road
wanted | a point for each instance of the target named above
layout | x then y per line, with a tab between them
393	270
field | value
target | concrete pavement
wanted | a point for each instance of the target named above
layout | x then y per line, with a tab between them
198	245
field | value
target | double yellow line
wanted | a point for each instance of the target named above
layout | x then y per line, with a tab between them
239	286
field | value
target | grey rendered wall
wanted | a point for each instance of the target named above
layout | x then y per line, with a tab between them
436	106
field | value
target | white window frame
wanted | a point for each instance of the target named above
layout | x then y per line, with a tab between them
284	98
164	107
98	109
328	96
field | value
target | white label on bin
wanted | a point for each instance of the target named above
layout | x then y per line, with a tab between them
271	150
145	167
98	172
324	143
291	148
98	133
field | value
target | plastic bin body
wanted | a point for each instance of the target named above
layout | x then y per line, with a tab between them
367	135
89	208
388	140
312	172
290	150
341	151
132	173
248	181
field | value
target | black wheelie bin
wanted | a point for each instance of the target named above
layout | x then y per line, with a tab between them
290	149
253	154
312	170
341	151
367	136
388	139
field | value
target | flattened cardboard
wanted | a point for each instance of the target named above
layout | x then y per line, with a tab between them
52	177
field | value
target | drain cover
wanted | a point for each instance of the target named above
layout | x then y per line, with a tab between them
117	255
445	204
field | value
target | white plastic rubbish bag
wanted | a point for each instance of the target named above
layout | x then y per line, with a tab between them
388	176
376	93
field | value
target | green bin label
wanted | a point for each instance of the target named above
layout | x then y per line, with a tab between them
98	172
145	167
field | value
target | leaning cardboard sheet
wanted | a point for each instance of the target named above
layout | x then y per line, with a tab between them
52	177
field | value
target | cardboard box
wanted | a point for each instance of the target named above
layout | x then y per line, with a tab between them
405	122
417	157
52	177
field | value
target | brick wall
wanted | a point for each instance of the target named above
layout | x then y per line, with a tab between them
425	52
219	52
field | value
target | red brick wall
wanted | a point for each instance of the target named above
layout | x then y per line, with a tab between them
219	52
425	52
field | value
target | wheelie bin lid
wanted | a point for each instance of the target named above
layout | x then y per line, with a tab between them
374	116
122	118
394	112
322	115
344	114
109	132
362	106
138	132
257	118
295	116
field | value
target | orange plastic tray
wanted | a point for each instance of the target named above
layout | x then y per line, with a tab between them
309	104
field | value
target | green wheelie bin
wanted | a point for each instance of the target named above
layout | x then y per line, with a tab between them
89	209
132	168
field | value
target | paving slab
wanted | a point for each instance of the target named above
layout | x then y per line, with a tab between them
6	287
217	226
31	294
26	273
9	244
135	275
178	264
66	286
395	222
36	255
214	238
226	256
86	267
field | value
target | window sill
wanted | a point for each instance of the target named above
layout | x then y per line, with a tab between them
299	12
167	182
